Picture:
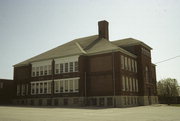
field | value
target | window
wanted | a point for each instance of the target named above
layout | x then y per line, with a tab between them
66	85
129	64
37	88
37	71
33	72
71	66
49	87
27	89
41	70
132	63
23	89
76	85
18	90
134	85
135	63
126	66
61	86
45	70
71	85
146	74
41	88
45	87
127	84
49	69
66	67
137	86
57	68
1	85
123	83
131	85
61	68
33	88
122	62
56	85
76	66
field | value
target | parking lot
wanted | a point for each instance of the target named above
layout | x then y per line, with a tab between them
142	113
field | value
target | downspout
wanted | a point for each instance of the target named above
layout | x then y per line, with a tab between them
114	84
85	93
52	85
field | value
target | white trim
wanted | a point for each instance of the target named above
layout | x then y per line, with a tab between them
41	81
67	79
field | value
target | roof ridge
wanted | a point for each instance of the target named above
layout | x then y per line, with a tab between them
92	43
79	46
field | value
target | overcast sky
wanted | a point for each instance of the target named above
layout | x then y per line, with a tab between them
30	27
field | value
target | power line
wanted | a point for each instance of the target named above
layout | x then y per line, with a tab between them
168	59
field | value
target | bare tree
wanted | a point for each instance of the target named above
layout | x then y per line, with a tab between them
168	87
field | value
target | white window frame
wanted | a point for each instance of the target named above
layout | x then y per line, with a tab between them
123	83
135	63
48	86
122	62
18	89
126	63
137	88
129	64
127	84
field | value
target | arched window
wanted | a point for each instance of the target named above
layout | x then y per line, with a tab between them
147	74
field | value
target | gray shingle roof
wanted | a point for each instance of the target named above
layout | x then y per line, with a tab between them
130	42
88	45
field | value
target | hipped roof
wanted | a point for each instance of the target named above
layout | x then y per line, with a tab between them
83	46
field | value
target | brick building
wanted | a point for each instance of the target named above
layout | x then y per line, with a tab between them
6	91
89	71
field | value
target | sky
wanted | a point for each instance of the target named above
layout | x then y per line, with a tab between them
30	27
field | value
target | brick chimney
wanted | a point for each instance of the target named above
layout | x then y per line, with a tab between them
103	29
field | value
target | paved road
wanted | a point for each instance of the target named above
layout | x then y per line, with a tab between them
142	113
